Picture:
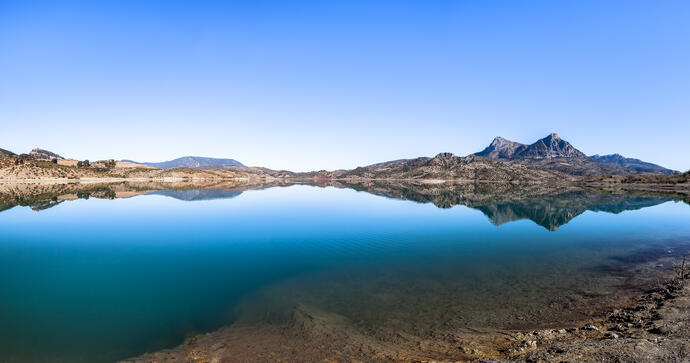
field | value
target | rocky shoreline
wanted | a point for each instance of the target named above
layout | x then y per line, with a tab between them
655	328
652	327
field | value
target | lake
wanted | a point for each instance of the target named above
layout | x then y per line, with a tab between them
99	273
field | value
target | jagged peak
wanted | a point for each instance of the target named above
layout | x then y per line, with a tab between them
499	140
551	138
444	155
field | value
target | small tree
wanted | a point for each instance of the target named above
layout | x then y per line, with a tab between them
83	164
54	161
110	164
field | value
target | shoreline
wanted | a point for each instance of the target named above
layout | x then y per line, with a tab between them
662	187
111	180
650	326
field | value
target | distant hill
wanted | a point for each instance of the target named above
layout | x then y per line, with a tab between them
630	163
6	158
45	154
6	153
191	162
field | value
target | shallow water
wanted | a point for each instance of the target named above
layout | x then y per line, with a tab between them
105	279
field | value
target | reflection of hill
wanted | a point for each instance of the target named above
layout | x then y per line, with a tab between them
40	196
191	195
549	207
43	205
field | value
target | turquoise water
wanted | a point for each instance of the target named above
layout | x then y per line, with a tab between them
93	280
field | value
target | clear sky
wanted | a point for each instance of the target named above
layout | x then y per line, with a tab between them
308	85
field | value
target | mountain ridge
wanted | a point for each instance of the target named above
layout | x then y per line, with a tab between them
446	166
632	163
547	159
551	146
191	162
554	153
6	153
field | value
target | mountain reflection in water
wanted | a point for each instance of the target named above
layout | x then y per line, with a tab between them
547	206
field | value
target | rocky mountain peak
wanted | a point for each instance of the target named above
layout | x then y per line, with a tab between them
498	140
552	146
553	141
500	148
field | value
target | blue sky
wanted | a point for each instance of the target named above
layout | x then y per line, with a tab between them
325	85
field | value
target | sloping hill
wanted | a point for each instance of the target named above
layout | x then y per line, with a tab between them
191	162
446	166
634	164
6	153
45	154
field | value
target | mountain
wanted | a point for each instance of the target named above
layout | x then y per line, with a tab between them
446	166
191	162
633	164
5	153
550	153
548	159
45	154
6	158
549	147
501	148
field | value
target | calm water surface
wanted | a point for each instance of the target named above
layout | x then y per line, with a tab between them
97	280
